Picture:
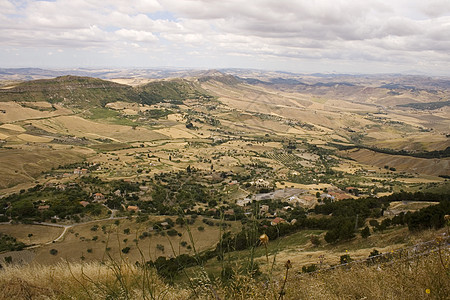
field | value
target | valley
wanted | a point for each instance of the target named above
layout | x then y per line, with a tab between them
199	166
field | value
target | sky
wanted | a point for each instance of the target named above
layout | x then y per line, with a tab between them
303	36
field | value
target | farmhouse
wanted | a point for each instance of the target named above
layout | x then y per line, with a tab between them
84	203
277	221
133	208
79	171
43	207
99	197
243	202
229	212
264	209
260	183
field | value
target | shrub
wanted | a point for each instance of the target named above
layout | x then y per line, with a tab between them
365	233
172	232
315	240
53	251
345	259
309	269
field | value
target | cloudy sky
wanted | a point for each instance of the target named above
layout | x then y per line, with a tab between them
351	36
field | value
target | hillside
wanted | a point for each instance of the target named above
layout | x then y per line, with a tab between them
84	92
71	91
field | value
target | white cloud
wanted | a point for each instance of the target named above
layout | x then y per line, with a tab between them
137	36
410	31
6	7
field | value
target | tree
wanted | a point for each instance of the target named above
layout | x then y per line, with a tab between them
315	240
331	236
23	209
179	221
172	232
365	233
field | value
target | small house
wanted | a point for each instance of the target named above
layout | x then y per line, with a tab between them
277	221
133	208
99	197
43	207
84	203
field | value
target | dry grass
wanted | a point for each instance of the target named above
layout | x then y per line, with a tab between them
400	280
84	281
22	165
423	277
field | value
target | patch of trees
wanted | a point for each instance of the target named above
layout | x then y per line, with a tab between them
343	218
63	204
169	91
426	106
424	154
431	217
364	208
177	194
158	113
124	186
9	243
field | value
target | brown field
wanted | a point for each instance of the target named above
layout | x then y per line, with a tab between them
434	167
78	240
41	234
80	127
34	139
177	132
25	165
13	127
16	112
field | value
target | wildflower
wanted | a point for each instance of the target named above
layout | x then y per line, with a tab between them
427	291
264	239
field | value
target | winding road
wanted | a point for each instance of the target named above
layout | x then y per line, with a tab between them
67	227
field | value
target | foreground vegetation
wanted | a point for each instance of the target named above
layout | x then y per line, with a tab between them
424	276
